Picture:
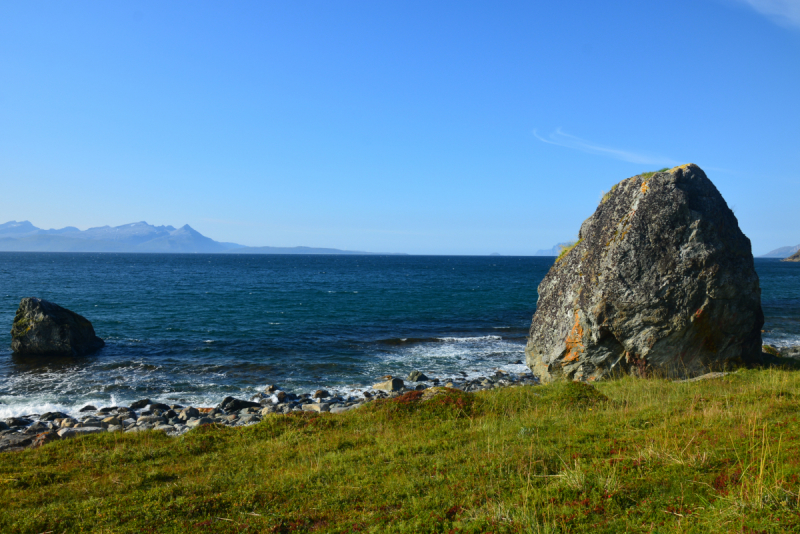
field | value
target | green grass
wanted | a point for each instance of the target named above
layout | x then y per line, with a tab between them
633	455
566	249
648	175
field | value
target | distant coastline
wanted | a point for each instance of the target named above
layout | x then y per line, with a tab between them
136	237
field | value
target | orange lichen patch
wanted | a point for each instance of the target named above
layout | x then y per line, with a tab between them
684	166
574	341
644	187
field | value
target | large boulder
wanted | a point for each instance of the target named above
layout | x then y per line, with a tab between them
660	282
43	328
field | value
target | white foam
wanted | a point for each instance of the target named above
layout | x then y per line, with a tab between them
470	339
781	340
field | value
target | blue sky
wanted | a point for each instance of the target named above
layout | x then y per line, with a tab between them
423	127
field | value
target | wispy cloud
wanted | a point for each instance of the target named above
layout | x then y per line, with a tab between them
560	138
783	12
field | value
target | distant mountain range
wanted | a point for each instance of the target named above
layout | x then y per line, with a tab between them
134	237
783	252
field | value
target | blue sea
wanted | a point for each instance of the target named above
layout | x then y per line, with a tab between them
194	328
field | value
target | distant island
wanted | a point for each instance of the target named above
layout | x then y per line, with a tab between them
134	237
783	252
793	257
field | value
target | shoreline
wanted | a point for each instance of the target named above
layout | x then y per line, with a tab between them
34	430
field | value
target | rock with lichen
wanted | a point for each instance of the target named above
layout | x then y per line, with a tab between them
661	281
44	328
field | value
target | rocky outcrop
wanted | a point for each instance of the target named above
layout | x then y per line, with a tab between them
43	328
793	257
660	281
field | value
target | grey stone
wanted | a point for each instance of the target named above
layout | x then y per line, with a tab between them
250	418
188	413
52	416
18	421
111	421
38	427
201	421
150	419
139	404
342	409
44	437
393	384
314	407
114	428
230	404
660	282
164	428
44	328
65	433
88	408
16	442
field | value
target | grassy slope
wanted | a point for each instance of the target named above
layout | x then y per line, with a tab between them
711	456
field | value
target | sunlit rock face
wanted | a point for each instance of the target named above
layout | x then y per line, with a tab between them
661	282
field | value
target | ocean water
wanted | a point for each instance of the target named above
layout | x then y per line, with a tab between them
192	329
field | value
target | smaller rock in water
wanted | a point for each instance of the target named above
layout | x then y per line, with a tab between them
417	376
44	328
270	389
393	384
321	394
88	408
